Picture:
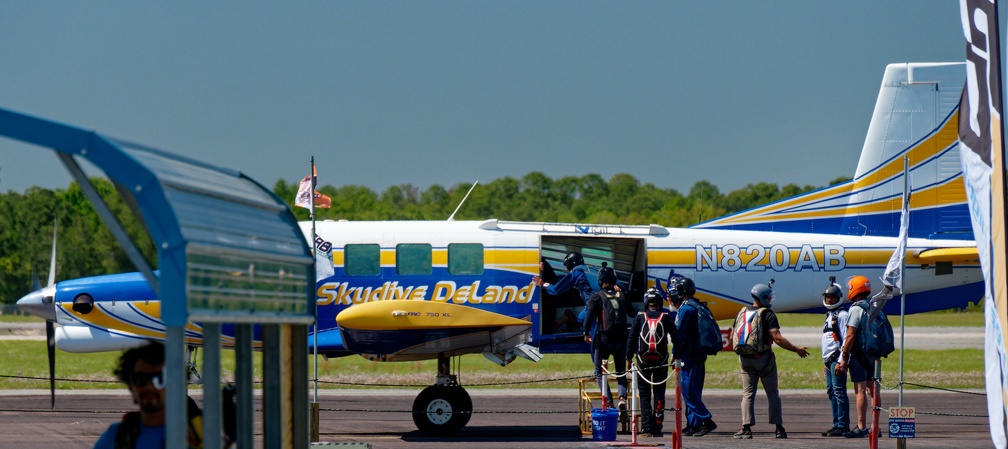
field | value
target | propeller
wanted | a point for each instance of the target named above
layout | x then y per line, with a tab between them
41	302
50	325
51	343
50	328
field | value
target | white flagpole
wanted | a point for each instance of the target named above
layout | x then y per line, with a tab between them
906	209
313	249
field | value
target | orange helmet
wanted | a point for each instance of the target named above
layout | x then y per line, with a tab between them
858	285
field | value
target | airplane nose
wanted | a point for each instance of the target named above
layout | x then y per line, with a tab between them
39	303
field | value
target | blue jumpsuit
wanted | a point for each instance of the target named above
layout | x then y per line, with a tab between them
693	370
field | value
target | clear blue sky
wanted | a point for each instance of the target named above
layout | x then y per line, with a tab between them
387	93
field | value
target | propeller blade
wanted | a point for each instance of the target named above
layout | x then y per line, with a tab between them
51	342
52	258
50	327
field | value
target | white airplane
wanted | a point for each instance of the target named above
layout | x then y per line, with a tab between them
410	290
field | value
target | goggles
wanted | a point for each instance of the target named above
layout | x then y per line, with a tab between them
140	379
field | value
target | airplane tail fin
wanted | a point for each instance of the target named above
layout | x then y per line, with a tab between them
916	116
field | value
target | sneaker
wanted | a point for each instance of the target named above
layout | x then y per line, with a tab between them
856	432
780	432
705	428
622	409
835	432
743	434
688	431
657	434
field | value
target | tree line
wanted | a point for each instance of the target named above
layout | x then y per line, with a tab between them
85	247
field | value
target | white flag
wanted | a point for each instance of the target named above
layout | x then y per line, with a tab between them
893	276
323	260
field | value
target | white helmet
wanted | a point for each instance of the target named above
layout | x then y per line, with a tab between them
833	290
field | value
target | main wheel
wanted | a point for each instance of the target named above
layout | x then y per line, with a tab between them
441	410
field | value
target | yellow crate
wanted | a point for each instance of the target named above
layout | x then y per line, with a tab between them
587	395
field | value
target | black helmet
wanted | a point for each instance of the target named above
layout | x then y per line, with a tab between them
684	287
606	275
653	295
572	260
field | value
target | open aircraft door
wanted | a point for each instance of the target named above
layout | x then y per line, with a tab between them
560	325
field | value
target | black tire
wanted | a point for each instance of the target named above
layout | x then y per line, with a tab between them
442	410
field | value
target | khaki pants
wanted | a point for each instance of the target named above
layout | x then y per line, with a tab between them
761	369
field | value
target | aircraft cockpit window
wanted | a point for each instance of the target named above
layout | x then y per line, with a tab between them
362	259
465	258
414	259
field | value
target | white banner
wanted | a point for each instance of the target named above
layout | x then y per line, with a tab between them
981	149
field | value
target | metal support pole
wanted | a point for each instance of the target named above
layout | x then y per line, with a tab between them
175	387
272	396
297	354
212	417
243	386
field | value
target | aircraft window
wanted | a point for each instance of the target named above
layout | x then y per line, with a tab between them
465	258
413	258
362	259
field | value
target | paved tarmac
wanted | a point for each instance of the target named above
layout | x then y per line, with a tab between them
507	419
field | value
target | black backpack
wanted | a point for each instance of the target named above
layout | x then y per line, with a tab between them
614	320
653	344
875	336
709	342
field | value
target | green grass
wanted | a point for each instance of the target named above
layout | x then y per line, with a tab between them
8	318
948	368
952	368
929	319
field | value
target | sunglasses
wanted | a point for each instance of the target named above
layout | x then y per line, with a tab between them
140	379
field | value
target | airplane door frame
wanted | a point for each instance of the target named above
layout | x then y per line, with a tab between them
626	255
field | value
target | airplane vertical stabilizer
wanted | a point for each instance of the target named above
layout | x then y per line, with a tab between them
916	116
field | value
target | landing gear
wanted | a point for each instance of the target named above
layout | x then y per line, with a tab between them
443	408
193	376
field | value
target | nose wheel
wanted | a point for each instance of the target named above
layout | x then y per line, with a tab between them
441	410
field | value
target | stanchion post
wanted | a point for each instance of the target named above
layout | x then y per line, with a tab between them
633	431
603	380
634	399
876	405
677	432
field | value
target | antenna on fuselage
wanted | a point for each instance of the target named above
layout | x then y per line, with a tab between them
452	216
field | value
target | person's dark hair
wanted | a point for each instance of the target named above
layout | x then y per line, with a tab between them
547	273
607	275
152	352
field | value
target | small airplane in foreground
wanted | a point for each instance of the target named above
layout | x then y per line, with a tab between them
410	290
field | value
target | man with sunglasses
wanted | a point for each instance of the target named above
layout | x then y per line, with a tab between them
141	369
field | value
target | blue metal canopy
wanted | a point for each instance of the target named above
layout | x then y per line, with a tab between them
228	249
